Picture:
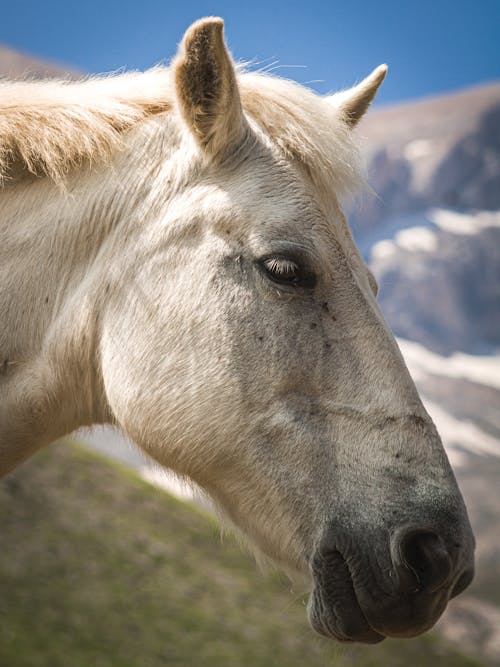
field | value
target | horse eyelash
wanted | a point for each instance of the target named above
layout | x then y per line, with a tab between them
281	266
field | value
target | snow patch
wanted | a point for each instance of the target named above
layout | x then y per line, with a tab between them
482	369
383	250
418	149
466	224
417	239
413	239
459	434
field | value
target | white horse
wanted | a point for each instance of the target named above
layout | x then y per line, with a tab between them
175	261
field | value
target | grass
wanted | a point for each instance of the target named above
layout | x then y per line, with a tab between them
100	569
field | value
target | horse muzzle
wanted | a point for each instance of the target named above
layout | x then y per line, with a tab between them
366	590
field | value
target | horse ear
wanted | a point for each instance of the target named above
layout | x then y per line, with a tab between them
354	103
206	87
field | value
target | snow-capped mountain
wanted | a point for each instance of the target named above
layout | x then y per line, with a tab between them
439	277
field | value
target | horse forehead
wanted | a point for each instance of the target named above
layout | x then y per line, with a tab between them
269	191
244	195
268	197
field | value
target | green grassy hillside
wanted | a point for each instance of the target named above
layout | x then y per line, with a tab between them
99	569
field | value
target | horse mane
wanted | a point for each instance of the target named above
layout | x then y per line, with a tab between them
51	127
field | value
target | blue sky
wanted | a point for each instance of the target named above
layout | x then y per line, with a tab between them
430	45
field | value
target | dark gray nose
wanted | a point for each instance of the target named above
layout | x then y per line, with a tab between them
422	562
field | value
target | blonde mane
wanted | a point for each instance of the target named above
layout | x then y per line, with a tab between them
48	128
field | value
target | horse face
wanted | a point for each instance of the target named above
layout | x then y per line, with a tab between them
263	370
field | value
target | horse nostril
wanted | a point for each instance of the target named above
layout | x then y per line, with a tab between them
421	560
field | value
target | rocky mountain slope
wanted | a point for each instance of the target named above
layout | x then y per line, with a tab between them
439	152
435	168
439	274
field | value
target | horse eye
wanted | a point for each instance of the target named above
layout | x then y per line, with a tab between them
288	272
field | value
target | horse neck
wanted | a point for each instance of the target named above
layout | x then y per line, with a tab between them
54	255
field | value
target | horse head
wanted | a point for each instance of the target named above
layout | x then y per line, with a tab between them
211	302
